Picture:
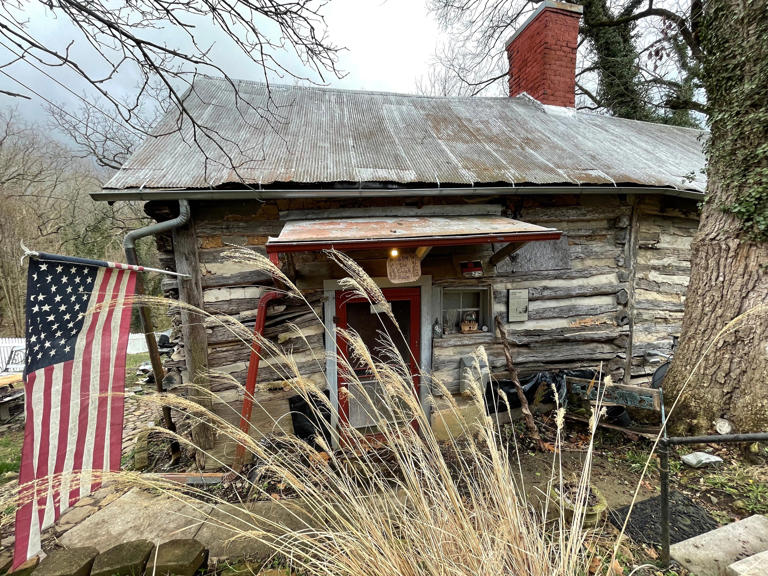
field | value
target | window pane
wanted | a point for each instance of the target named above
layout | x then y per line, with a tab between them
451	299
470	299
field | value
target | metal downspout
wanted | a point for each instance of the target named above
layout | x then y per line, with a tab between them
129	245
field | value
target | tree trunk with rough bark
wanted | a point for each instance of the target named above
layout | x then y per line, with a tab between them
729	265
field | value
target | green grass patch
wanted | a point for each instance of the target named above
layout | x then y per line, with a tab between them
132	363
750	495
10	452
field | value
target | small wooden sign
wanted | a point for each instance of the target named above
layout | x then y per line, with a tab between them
517	310
403	268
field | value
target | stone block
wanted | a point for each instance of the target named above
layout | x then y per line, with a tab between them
225	532
68	562
181	557
755	565
126	559
711	554
449	423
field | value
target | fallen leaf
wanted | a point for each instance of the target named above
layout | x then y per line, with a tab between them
594	564
616	569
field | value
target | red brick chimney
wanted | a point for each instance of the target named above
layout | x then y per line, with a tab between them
542	54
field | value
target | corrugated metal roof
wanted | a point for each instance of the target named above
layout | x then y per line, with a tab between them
320	136
406	231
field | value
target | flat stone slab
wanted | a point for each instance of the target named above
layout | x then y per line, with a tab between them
135	514
756	565
126	559
182	557
69	562
226	531
710	554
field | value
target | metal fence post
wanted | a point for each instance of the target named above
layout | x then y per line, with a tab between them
664	476
664	473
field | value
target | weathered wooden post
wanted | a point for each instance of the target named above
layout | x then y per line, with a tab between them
193	331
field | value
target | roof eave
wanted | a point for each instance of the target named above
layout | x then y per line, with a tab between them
113	195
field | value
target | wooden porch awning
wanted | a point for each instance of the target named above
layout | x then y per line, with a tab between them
404	232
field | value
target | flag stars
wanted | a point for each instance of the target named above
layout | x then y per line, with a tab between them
43	266
77	279
65	279
67	349
45	308
59	268
48	278
51	318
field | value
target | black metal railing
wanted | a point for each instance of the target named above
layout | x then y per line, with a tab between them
664	443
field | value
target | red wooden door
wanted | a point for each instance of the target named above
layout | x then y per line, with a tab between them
357	314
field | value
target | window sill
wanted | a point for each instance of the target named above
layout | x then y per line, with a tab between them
458	339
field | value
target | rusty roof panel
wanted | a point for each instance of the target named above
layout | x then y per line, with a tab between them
311	135
422	228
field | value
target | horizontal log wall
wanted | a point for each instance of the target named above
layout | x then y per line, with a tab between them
579	315
666	227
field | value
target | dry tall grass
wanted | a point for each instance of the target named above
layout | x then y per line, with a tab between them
404	504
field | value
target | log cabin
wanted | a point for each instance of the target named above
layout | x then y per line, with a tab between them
574	227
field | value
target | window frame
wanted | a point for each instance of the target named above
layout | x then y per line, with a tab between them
484	292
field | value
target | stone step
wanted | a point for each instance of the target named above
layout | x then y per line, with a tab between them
756	565
711	554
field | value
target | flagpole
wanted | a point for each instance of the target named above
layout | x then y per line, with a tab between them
104	263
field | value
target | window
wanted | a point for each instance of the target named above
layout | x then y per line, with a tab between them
465	310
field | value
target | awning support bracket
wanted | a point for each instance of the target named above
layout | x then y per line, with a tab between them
505	251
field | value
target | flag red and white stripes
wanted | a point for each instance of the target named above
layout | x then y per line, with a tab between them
77	334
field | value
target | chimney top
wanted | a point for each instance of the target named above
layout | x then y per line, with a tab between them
551	4
542	54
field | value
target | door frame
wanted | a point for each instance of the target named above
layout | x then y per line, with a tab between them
330	287
412	295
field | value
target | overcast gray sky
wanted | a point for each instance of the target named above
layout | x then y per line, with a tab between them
388	45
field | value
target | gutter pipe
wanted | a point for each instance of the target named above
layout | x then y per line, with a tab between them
113	194
129	245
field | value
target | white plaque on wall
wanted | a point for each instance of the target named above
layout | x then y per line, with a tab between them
517	307
403	268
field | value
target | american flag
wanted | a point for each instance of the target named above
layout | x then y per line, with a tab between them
77	335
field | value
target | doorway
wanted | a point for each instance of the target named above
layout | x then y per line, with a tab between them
360	398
